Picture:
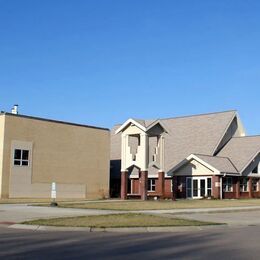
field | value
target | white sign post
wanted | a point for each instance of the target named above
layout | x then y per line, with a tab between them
53	195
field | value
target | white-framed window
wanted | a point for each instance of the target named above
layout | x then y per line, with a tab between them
21	157
228	184
244	184
151	185
209	187
255	184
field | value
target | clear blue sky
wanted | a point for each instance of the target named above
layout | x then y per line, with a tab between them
101	62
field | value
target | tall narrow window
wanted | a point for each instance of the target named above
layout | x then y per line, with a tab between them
228	184
255	184
209	187
151	185
243	185
21	157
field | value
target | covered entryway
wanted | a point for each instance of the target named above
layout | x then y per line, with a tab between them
198	187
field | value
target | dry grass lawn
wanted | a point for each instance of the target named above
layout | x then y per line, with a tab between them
156	205
117	220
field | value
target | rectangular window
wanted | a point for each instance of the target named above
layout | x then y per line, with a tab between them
21	157
228	184
151	185
172	185
209	187
243	185
255	186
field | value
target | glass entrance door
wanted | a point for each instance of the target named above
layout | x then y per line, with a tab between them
198	187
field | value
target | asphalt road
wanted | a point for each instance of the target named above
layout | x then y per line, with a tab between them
223	243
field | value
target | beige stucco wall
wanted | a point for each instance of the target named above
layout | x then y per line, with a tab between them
75	157
193	168
2	121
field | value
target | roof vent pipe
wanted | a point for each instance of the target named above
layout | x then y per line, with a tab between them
15	110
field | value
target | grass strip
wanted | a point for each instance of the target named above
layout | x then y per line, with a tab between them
160	205
118	220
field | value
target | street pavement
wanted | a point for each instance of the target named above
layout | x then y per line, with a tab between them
223	243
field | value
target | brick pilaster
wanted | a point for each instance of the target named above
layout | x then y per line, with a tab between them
161	184
216	187
124	180
143	184
250	187
237	188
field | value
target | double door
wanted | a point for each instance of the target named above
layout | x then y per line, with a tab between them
198	187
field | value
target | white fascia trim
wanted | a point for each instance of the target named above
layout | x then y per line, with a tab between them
255	155
194	157
130	121
219	141
158	121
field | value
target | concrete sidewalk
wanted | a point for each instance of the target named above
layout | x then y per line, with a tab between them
21	212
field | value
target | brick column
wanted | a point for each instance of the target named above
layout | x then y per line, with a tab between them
161	184
237	188
124	180
175	188
143	184
216	187
250	187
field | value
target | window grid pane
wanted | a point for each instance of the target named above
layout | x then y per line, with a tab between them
21	157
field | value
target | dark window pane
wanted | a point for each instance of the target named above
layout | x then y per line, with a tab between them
25	155
195	188
202	188
16	162
209	183
25	163
17	154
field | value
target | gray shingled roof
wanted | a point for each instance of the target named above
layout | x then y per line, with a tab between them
191	134
223	164
241	150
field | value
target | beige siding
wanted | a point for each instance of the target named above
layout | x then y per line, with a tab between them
2	121
193	168
75	157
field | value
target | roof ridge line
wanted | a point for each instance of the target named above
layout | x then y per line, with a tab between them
211	155
54	121
246	136
233	164
201	114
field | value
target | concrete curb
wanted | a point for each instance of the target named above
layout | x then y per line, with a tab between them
116	230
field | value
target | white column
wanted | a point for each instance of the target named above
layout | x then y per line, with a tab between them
144	152
162	153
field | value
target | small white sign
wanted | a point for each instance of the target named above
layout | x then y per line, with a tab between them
217	184
53	186
53	194
53	190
